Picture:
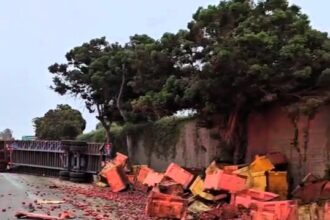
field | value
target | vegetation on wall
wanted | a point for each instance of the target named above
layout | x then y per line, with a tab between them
303	112
159	137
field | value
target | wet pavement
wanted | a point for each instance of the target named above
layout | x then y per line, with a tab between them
20	192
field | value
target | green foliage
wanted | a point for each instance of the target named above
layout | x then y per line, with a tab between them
118	137
324	79
159	137
108	77
98	135
241	54
92	72
234	57
60	123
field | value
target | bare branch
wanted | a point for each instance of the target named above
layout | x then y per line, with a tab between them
123	79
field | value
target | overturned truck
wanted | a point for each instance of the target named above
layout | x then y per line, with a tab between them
72	160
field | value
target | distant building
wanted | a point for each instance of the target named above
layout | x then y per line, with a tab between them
29	138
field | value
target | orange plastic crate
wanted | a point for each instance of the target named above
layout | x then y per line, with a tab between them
277	183
243	200
142	174
327	210
212	180
264	215
282	209
232	183
179	175
220	180
116	179
261	163
165	206
120	159
261	195
153	178
230	169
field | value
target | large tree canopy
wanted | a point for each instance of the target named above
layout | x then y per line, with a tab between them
234	58
108	77
86	75
59	124
241	56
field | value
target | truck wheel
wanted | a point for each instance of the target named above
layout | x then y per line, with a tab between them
78	180
64	173
64	178
77	175
3	166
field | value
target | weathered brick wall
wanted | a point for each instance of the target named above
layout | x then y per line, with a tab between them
195	148
268	131
272	130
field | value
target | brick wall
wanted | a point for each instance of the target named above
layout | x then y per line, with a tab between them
273	131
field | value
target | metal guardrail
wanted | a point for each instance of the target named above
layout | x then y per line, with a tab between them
49	155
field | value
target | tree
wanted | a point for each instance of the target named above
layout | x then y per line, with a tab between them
243	56
109	77
59	124
6	135
158	67
86	75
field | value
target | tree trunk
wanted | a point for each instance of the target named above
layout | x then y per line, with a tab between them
129	143
123	114
239	140
107	134
106	122
296	145
120	94
234	136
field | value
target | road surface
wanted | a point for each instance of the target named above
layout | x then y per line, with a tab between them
20	192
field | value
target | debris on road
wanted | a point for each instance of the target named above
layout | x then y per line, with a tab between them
255	191
36	216
226	191
198	207
197	189
50	202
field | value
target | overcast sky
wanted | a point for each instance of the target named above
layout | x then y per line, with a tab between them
36	33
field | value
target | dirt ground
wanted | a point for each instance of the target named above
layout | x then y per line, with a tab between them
20	192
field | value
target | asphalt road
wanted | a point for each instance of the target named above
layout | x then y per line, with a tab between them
21	192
